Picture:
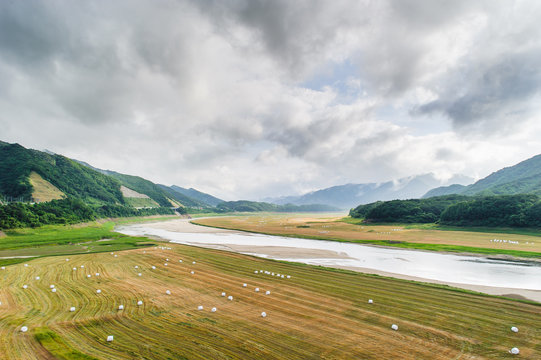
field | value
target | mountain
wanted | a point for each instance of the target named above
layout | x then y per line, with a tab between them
444	190
522	178
351	195
198	195
59	174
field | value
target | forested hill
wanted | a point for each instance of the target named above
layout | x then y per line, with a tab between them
522	178
197	195
72	179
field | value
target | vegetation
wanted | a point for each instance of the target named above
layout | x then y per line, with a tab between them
433	321
254	206
457	210
66	211
142	186
205	199
73	179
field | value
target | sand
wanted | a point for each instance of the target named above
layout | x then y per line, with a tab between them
183	225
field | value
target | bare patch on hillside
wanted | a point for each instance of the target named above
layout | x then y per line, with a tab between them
44	190
129	193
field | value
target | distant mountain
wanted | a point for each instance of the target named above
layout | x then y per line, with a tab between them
198	195
444	190
351	195
255	206
522	178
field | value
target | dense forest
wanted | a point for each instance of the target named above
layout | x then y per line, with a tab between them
458	210
66	211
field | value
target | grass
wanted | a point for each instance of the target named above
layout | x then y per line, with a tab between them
44	190
141	202
318	313
410	236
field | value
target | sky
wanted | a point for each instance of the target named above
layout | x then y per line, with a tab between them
247	99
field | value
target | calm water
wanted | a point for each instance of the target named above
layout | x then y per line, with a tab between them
427	265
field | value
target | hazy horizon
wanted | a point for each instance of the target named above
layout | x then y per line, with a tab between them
253	99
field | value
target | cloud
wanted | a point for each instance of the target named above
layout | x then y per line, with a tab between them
249	98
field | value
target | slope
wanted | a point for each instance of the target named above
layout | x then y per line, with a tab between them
198	195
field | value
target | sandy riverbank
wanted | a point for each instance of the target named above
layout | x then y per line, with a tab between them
278	252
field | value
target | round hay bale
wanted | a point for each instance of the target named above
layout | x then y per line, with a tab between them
267	292
120	307
3	268
25	286
167	260
153	267
223	294
256	272
97	274
256	289
394	327
289	276
168	292
514	329
180	261
98	291
72	309
82	266
263	314
192	272
213	309
25	265
88	275
200	307
116	255
139	274
53	290
370	301
165	264
136	266
74	269
51	286
282	276
67	259
24	329
140	302
37	277
244	285
514	351
230	298
193	262
109	338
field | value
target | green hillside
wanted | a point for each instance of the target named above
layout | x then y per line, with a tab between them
73	179
186	201
142	186
522	178
202	197
254	206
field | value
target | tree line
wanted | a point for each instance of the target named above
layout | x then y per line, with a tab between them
457	210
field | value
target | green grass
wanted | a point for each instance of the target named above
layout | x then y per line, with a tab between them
54	344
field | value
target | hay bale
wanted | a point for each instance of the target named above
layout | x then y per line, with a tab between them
25	286
394	327
180	261
139	274
25	265
230	298
37	277
136	266
263	314
116	255
514	351
200	307
193	262
153	267
192	272
140	302
256	272
24	329
88	275
167	260
51	286
97	274
168	292
267	292
72	309
289	276
120	307
223	294
74	269
514	329
370	301
82	266
282	276
109	338
165	264
98	291
53	290
3	268
67	259
213	309
244	285
256	289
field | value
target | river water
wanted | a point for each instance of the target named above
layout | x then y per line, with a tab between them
447	268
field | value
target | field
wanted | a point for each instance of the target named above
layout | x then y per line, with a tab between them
522	243
317	313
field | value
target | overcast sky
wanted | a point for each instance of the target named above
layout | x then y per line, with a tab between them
247	98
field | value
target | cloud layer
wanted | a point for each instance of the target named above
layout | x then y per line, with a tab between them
247	99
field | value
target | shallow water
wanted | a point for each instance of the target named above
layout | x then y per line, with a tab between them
428	265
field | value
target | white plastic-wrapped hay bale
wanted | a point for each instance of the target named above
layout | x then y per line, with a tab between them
263	314
139	274
109	338
514	351
98	291
24	329
256	272
180	261
370	301
82	266
213	309
165	264
140	302
3	268
167	260
25	265
267	292
168	292
192	272
394	327
72	309
25	286
514	329
244	285
282	276
88	275
153	267
193	262
97	274
37	278
74	269
53	290
230	298
51	286
200	307
67	259
116	255
136	266
289	276
256	289
223	294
